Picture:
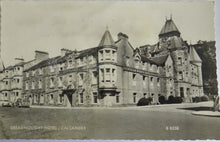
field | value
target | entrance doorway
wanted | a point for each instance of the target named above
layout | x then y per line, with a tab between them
181	92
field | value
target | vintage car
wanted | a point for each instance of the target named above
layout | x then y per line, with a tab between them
22	103
7	104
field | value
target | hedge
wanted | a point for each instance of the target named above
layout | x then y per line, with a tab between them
144	101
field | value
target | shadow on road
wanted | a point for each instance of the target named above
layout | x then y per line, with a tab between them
198	108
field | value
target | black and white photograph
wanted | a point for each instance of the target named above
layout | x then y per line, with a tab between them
108	70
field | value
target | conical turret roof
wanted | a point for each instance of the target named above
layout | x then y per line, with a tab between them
106	39
194	55
169	28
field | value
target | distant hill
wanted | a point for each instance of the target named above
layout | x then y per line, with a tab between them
207	52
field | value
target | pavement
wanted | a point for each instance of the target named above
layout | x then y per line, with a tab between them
164	107
207	113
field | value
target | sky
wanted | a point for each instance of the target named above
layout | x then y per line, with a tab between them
49	26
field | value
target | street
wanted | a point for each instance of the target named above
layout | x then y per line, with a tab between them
154	122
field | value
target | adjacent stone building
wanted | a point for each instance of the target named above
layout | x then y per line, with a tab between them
114	73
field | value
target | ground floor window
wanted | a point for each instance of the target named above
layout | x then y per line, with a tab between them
95	97
181	92
81	98
117	98
61	99
145	94
51	96
134	97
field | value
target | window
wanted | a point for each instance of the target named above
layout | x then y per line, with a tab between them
108	55
144	77
94	77
6	94
117	98
95	98
81	98
51	82
61	98
6	82
134	79
40	84
33	87
113	55
102	75
134	97
81	76
18	80
179	61
18	68
133	76
180	75
182	92
51	96
108	75
60	81
101	55
17	94
158	80
151	79
145	94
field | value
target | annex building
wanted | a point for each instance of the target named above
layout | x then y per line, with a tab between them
111	74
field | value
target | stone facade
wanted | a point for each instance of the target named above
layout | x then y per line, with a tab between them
114	73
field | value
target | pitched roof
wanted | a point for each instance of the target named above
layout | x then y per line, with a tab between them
194	55
169	27
159	60
106	39
89	51
45	63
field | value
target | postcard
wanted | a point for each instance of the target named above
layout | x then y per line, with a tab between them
109	70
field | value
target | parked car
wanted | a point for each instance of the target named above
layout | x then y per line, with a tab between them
22	103
6	104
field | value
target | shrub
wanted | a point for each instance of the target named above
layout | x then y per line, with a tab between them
193	99
197	99
162	100
144	101
170	99
178	100
204	98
